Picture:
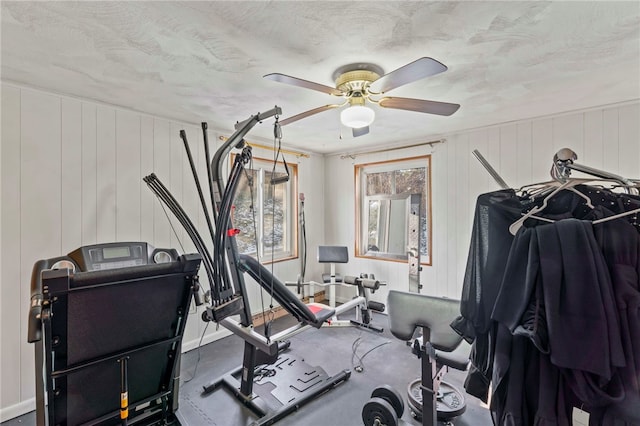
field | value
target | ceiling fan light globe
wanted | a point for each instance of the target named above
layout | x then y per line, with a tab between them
357	116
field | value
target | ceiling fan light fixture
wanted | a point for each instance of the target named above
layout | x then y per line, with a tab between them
357	116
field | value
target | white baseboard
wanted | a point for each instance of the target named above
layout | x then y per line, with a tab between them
13	411
208	338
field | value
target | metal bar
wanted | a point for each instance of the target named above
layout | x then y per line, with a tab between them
490	169
270	148
194	172
260	116
430	143
56	374
599	173
564	159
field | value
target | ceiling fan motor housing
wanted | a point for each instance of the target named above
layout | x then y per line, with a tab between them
355	81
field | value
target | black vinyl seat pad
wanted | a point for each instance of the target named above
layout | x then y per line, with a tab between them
308	314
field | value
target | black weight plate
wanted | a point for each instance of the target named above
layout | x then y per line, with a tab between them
390	395
450	401
414	398
380	410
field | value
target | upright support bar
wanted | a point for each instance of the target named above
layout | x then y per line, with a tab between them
414	231
490	169
237	137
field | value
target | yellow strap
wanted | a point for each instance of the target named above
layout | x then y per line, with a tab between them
124	405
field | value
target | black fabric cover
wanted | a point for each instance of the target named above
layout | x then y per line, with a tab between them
565	301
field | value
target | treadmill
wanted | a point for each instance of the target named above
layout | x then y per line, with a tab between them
107	322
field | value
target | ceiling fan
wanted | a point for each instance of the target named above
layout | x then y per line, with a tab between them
361	83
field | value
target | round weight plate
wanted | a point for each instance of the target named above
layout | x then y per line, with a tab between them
450	401
390	395
414	398
377	409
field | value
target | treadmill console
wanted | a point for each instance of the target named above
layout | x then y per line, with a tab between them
119	255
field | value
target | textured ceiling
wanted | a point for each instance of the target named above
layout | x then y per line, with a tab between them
204	61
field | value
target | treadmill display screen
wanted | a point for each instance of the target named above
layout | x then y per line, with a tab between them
113	252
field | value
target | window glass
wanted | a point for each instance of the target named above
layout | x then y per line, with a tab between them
243	213
379	183
266	214
386	191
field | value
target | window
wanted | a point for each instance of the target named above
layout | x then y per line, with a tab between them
270	219
389	196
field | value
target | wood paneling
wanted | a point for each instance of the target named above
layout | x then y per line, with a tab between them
11	286
71	175
521	152
40	204
127	178
89	200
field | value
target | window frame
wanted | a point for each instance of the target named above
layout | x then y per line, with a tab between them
361	209
264	165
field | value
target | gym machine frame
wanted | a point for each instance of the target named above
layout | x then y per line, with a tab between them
225	268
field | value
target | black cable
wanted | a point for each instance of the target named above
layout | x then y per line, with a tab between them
198	359
303	248
354	347
172	227
251	181
277	139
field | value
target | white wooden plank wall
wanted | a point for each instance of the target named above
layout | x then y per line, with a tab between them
521	152
71	175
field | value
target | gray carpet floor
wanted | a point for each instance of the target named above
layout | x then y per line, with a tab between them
384	360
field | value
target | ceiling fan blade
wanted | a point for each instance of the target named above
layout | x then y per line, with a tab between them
421	68
360	132
419	105
307	114
286	79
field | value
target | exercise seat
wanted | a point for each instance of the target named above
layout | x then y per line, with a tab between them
458	358
439	348
410	310
314	314
332	255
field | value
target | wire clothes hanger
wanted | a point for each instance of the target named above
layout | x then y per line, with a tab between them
515	226
563	162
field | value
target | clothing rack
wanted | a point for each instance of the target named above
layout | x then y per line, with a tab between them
564	163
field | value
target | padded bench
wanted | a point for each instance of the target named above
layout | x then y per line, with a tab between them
439	346
313	314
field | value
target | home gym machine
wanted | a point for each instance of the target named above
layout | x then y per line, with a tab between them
430	398
362	284
289	388
107	321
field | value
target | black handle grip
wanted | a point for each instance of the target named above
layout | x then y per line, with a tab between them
34	325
